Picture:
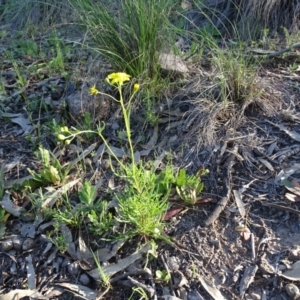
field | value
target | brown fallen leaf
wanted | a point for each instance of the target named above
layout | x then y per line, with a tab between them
173	211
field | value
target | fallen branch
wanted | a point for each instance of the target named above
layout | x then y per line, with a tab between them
270	53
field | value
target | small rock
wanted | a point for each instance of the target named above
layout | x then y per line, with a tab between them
28	244
172	64
7	245
81	102
173	264
84	279
292	290
17	242
74	268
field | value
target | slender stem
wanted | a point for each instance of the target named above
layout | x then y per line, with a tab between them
126	116
127	124
114	155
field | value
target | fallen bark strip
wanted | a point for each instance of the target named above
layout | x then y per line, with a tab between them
223	202
270	53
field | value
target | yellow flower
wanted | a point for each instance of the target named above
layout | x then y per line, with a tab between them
136	86
93	90
117	78
61	137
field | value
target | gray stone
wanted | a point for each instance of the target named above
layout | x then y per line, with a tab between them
81	102
172	64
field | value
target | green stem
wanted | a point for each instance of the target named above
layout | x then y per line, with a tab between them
128	132
108	147
127	123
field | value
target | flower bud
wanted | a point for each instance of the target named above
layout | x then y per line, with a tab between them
136	87
61	137
64	129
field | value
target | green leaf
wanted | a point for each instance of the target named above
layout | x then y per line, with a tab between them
86	193
162	275
45	156
1	181
51	174
181	178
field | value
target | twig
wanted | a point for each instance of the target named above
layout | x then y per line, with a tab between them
253	246
149	290
222	204
171	279
275	53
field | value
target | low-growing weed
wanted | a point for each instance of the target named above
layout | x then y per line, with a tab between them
58	239
162	275
58	53
3	218
189	187
1	181
143	201
52	171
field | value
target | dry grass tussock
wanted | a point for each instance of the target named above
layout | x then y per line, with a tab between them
212	119
273	14
250	17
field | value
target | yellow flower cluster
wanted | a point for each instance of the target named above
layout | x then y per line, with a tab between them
62	137
118	78
115	78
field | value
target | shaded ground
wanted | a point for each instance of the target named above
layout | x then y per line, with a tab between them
257	231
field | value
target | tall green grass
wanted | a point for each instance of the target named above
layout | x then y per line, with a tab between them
129	34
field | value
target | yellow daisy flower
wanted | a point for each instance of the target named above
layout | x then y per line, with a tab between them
117	78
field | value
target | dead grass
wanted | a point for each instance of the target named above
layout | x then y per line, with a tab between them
212	119
22	13
273	14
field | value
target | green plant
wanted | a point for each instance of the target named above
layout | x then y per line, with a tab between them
162	275
37	198
50	173
100	220
189	187
139	291
131	38
105	278
29	47
290	38
143	202
143	209
1	181
57	63
3	218
21	78
236	74
58	239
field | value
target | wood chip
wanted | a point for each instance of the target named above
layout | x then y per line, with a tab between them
247	279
